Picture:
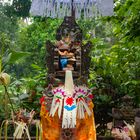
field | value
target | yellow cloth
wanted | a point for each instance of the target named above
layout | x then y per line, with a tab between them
51	126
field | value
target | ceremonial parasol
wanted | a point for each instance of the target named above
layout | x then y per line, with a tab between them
78	8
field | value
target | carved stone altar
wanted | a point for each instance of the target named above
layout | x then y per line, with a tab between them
68	28
67	106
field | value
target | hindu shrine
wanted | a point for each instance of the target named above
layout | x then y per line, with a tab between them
67	107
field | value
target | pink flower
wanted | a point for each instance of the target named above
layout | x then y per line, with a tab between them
126	129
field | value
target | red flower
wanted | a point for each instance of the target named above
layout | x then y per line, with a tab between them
81	99
57	101
42	99
91	96
69	101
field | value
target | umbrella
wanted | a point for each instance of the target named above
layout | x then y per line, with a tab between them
81	8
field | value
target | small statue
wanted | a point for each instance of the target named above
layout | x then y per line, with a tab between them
67	60
67	56
65	43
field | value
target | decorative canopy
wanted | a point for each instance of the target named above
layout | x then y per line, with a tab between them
62	8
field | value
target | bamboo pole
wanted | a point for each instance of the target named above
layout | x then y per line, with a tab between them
5	130
6	92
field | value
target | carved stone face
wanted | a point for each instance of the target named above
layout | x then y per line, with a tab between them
62	45
67	39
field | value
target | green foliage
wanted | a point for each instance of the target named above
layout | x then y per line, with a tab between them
21	8
116	58
88	28
8	22
24	93
7	54
16	56
33	39
115	55
2	105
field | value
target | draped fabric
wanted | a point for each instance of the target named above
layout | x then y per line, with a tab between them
61	8
52	129
69	116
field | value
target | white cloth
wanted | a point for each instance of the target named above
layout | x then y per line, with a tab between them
69	114
61	8
71	100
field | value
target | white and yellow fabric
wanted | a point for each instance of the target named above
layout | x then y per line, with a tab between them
71	109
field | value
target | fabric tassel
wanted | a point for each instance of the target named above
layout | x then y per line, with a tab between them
81	108
52	107
86	107
55	109
81	111
60	108
57	103
82	92
56	106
